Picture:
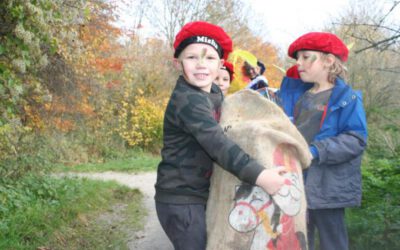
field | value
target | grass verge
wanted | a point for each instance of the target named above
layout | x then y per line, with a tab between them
47	213
138	162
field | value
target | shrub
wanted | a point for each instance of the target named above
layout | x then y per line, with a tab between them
376	225
141	122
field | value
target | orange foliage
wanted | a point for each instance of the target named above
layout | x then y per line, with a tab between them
109	64
75	106
99	39
86	109
63	125
94	64
113	83
33	118
90	54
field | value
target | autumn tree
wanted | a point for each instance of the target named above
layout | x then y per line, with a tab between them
169	16
56	59
30	32
374	17
373	65
371	28
233	15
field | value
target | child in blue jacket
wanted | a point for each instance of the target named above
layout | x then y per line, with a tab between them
331	117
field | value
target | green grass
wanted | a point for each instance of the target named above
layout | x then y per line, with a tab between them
64	214
139	162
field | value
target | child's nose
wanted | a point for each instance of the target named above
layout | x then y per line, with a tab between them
201	63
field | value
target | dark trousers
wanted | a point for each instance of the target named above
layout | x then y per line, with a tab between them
331	229
185	225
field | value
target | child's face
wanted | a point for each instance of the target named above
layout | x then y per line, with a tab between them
311	67
223	80
200	65
250	71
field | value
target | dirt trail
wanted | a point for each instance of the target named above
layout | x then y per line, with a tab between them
152	237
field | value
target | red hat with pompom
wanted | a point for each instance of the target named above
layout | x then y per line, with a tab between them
203	32
319	41
229	67
293	72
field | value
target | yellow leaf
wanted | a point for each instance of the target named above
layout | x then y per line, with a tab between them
349	46
244	55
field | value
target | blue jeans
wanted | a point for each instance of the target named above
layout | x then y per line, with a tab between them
331	229
185	225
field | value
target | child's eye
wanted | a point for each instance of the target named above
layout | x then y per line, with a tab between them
191	57
211	57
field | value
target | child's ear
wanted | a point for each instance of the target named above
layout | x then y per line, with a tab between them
330	60
177	63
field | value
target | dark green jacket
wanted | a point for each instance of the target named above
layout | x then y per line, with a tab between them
193	140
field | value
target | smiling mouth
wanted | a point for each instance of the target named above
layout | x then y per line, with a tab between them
201	76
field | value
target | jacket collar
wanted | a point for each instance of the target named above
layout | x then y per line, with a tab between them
341	95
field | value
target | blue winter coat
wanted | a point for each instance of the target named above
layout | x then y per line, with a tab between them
334	178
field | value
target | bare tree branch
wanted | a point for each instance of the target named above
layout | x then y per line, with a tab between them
376	44
387	14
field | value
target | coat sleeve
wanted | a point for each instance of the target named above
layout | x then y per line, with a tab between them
197	118
351	140
339	149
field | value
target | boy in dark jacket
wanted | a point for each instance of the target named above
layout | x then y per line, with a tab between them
331	117
193	139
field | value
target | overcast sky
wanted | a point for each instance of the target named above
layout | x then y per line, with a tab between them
285	20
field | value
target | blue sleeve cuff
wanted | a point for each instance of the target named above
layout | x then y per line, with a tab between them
314	152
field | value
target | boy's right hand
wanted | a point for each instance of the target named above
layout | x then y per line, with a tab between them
271	179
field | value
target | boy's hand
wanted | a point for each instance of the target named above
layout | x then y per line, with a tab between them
271	180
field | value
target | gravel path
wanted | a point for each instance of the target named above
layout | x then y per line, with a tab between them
152	237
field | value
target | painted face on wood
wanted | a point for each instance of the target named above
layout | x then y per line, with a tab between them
271	218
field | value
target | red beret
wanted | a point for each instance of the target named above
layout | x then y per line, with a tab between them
319	41
293	72
229	67
203	32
